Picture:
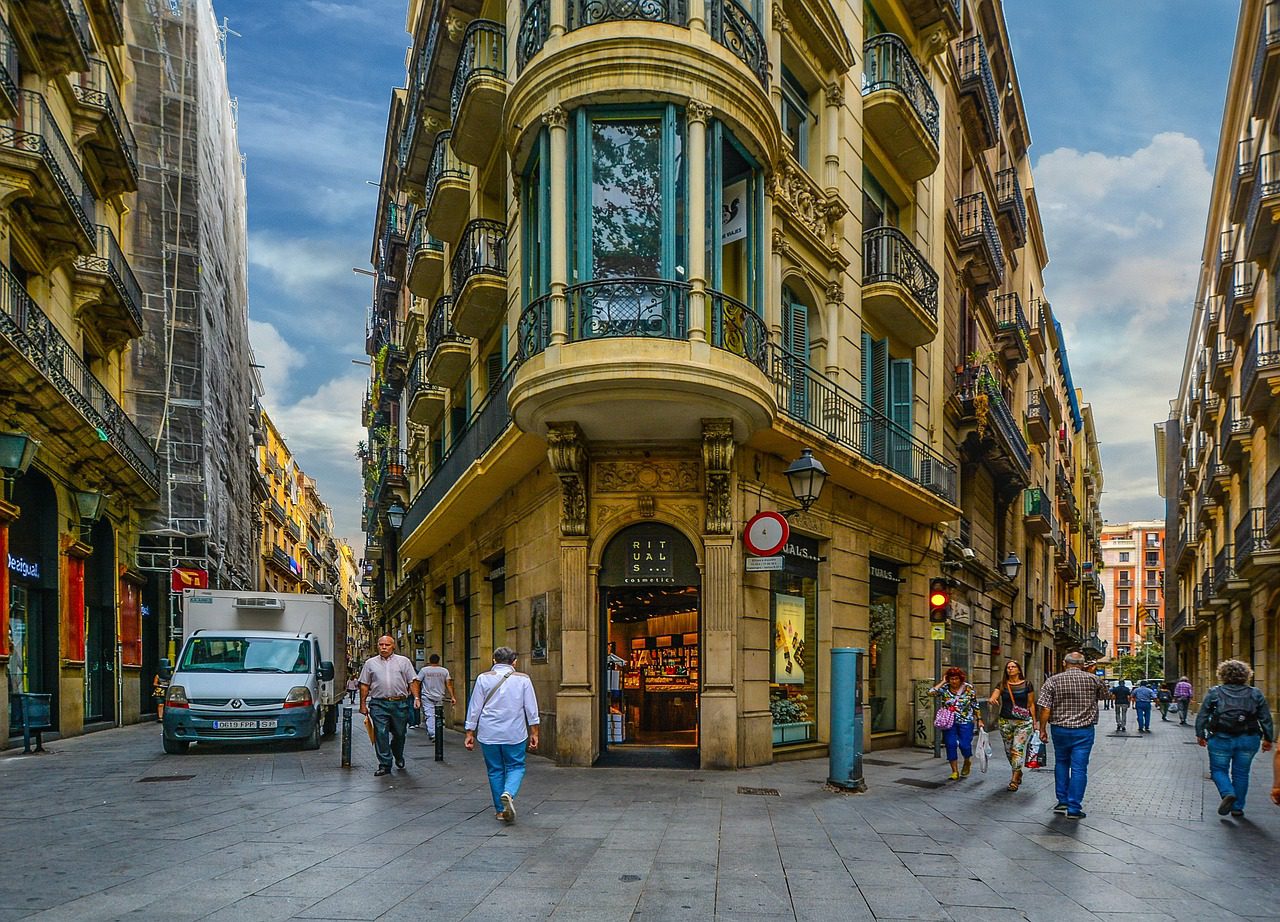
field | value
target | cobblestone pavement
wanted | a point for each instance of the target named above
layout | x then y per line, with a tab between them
106	827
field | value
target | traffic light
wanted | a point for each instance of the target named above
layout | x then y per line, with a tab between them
939	600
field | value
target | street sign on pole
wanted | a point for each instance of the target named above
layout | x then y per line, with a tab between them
763	564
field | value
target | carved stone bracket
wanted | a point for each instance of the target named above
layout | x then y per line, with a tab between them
835	94
780	20
456	24
717	459
567	451
804	203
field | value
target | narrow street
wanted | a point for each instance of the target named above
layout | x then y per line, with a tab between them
106	827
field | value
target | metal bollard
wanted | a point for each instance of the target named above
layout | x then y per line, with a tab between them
440	732
346	736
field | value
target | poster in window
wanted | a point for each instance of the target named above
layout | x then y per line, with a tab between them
788	640
538	628
733	221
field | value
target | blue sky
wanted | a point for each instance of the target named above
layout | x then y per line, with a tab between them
1124	101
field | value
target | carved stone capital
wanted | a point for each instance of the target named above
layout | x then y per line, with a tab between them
835	94
698	111
717	460
835	293
567	452
555	117
456	24
779	241
780	20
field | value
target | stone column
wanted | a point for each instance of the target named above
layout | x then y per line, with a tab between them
720	594
834	98
834	308
556	19
557	124
698	115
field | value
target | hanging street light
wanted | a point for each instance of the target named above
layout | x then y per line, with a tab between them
806	476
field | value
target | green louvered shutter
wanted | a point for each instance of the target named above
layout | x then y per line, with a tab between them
492	370
795	341
900	396
875	394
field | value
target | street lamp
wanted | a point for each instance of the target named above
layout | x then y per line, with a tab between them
1010	566
89	506
1071	610
17	451
395	515
807	476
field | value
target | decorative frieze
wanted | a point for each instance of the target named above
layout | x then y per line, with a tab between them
624	476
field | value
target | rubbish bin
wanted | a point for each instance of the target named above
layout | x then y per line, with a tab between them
35	718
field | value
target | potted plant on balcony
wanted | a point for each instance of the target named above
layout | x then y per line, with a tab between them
791	723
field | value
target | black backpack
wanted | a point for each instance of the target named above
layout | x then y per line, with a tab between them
1236	711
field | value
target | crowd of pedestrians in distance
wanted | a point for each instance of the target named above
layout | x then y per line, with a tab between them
1233	723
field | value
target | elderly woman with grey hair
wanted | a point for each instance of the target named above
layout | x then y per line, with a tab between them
1234	718
503	716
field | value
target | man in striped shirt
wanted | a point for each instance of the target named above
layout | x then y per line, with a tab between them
1068	703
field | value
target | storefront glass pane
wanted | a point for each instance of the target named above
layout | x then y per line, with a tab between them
882	663
793	695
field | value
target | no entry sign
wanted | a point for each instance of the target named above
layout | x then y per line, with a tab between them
766	534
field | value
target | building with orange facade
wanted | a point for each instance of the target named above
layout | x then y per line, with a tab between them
1133	572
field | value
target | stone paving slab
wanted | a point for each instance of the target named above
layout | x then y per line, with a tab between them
266	834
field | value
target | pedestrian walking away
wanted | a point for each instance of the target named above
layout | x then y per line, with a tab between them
1182	695
502	716
387	687
955	694
1164	698
1121	695
1068	710
1016	699
353	685
1234	719
436	685
1275	777
1143	697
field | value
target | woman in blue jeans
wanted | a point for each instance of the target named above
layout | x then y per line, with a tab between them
1234	720
956	693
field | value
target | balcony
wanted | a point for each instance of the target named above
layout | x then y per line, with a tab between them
1067	631
899	288
1067	501
994	435
108	136
1226	257
1264	208
1184	550
1266	64
393	240
1037	512
59	33
10	73
479	278
733	27
448	190
1255	549
926	13
109	16
899	107
535	28
59	198
1037	417
1235	432
426	258
1036	332
105	283
1217	474
1012	332
1238	300
629	369
1221	358
979	240
1226	582
277	512
1011	204
79	416
1212	317
1242	178
478	92
1260	374
979	101
427	401
448	352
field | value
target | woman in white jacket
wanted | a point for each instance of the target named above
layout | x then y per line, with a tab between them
503	715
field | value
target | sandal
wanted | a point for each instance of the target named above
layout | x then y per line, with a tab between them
1016	781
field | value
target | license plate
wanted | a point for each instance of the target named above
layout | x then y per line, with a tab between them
244	724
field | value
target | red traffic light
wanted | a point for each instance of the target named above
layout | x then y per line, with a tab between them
939	600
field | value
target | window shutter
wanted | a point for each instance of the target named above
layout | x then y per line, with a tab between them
900	375
493	370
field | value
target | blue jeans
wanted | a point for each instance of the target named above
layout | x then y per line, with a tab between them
505	764
1229	761
1144	714
390	727
958	736
1071	748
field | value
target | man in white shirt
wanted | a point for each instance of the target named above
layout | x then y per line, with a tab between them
503	715
435	682
387	686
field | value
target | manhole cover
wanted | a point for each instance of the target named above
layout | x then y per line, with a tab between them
629	878
765	792
917	783
167	778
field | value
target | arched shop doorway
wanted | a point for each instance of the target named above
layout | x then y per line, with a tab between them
650	602
33	595
100	626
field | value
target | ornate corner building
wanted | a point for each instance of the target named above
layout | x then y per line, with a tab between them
628	265
1219	465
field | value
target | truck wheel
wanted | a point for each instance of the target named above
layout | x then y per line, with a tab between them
331	720
175	747
313	741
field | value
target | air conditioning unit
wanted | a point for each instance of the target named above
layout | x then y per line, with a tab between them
260	603
933	476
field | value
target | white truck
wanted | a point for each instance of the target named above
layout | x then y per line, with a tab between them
256	667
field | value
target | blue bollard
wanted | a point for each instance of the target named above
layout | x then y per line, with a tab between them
845	750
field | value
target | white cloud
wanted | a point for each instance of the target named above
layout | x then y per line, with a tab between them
300	264
1124	235
278	359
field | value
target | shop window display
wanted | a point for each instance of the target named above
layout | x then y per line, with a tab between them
793	694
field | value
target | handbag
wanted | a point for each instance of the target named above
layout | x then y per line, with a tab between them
1017	712
945	719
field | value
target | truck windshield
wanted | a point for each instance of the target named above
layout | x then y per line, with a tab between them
246	654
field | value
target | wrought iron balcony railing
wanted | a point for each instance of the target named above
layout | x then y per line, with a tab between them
738	329
732	25
888	256
108	259
814	400
975	72
1009	197
33	334
589	12
440	325
36	132
10	72
444	165
535	27
889	65
1263	353
481	250
607	308
534	332
975	221
97	90
1009	315
978	381
483	52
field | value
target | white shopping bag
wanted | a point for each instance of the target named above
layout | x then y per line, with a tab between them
1035	750
982	750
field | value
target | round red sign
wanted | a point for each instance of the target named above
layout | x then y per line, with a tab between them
766	534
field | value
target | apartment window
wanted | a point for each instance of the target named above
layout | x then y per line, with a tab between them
1153	558
1123	651
1152	579
878	209
1151	597
1153	539
1124	634
1124	556
1124	597
1123	616
798	120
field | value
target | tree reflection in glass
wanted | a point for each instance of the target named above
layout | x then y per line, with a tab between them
626	199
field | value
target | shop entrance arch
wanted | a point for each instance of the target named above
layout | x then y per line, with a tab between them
33	595
651	633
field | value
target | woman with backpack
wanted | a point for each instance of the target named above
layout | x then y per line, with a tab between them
1016	699
957	713
1234	718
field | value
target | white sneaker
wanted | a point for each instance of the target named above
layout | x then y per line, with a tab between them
508	807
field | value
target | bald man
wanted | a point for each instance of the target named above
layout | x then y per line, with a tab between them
388	687
1068	704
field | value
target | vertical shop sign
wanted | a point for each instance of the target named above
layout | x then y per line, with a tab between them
130	624
75	612
788	640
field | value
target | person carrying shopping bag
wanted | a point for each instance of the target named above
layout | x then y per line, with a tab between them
1016	699
957	696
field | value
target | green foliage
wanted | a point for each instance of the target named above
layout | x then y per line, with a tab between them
1139	665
